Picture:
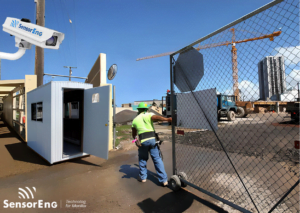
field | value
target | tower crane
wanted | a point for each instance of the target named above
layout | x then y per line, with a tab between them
233	43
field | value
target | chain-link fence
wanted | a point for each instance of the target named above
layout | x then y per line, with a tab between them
237	110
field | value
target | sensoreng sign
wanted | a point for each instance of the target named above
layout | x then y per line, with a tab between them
27	193
15	24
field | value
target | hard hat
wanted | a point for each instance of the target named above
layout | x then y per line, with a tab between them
142	105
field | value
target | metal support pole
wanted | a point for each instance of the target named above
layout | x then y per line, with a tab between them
70	71
162	105
114	115
65	76
173	117
39	52
298	92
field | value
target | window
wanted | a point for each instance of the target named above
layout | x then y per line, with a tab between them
95	98
33	112
39	114
37	111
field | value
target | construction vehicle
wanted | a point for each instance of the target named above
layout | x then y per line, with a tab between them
293	107
166	101
226	105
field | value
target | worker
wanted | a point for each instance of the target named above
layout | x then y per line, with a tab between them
142	126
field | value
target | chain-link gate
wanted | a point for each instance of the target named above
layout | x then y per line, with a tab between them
235	108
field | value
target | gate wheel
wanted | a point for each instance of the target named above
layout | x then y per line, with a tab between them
175	183
183	176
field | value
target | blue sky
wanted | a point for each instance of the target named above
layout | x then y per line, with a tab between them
123	29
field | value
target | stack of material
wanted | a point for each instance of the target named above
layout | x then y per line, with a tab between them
125	116
260	109
154	111
156	108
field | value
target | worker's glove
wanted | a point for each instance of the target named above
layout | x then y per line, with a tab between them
138	143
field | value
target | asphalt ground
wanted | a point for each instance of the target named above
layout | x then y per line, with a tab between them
111	186
91	183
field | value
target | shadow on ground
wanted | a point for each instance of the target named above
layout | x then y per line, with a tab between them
20	152
83	162
179	201
174	202
133	172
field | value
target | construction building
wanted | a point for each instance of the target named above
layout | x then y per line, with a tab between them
271	75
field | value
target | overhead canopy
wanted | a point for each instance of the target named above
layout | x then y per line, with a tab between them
10	86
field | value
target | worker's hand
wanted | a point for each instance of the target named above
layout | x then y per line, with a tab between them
170	119
138	143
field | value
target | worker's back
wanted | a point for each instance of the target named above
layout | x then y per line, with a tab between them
143	123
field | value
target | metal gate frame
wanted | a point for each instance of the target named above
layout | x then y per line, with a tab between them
261	9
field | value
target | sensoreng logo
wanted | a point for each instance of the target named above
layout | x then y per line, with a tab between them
27	193
23	193
14	23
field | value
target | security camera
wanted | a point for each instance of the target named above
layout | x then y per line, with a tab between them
34	34
27	34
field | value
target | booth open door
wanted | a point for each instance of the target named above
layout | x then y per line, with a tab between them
96	131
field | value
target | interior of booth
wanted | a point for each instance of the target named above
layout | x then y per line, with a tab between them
72	121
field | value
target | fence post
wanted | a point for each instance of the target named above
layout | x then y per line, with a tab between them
173	116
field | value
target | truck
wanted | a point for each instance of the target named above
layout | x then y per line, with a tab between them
293	109
226	106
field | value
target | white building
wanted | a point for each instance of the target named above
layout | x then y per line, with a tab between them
271	74
69	119
289	95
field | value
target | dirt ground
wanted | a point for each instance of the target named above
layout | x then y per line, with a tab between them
261	148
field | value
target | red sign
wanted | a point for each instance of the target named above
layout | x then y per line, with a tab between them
297	145
180	132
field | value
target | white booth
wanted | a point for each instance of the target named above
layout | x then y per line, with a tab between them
69	119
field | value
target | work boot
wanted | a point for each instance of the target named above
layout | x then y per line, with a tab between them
139	179
165	183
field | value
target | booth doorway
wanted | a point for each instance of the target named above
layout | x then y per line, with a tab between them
73	102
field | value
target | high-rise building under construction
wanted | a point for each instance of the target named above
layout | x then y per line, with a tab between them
271	75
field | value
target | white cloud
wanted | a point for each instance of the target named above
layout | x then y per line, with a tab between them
291	54
248	91
292	79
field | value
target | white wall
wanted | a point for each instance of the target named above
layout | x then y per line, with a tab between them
39	132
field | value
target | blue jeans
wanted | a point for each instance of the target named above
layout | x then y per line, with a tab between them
150	146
